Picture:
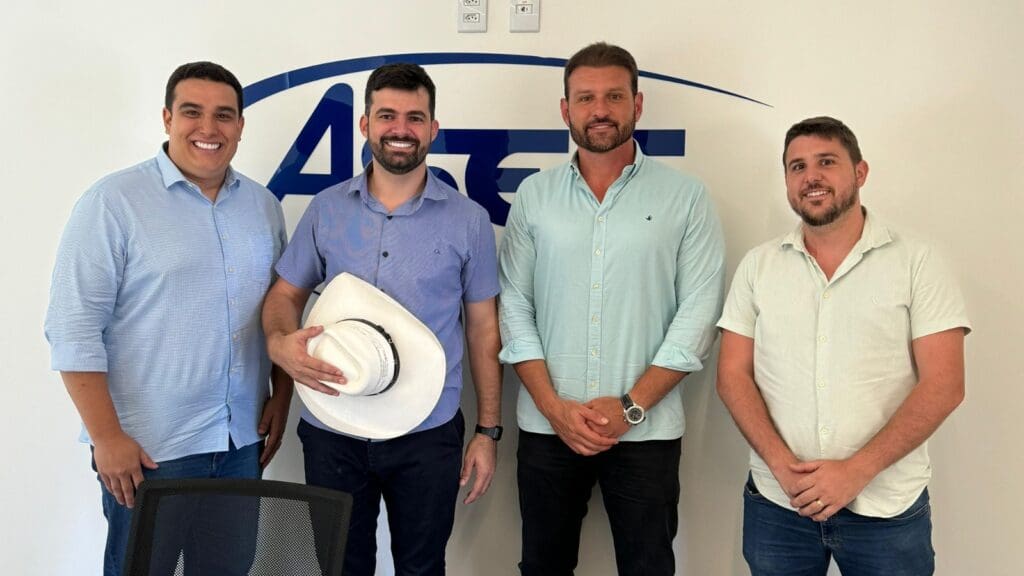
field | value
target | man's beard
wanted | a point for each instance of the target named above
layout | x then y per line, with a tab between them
395	162
583	139
833	213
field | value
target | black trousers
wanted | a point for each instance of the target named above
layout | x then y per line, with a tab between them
640	485
418	477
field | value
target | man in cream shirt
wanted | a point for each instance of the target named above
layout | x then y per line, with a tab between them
842	352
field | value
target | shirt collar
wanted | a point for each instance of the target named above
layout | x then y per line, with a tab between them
875	234
434	190
172	175
638	161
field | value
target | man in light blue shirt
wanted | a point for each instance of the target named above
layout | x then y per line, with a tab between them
611	274
154	315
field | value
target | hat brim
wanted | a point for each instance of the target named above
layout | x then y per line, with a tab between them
420	377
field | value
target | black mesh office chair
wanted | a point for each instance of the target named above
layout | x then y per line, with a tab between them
237	527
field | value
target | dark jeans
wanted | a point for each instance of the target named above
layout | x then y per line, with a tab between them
640	485
195	542
418	477
779	542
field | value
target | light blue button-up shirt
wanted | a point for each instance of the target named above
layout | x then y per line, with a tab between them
161	288
601	291
430	254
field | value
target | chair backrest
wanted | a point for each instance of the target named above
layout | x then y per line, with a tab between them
236	527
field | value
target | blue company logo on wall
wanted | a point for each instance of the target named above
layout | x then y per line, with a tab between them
486	148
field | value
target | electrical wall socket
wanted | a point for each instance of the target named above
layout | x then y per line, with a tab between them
524	16
472	15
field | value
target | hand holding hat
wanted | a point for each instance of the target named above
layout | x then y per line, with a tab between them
394	367
290	353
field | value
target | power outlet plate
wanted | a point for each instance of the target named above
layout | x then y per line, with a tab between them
524	16
472	15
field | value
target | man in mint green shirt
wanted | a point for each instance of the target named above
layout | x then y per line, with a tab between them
611	273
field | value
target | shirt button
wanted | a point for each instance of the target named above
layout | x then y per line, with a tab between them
593	383
597	285
234	336
826	295
385	254
595	319
598	251
600	218
821	383
231	269
822	339
594	352
223	236
825	431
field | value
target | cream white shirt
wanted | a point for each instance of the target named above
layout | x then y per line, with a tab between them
833	358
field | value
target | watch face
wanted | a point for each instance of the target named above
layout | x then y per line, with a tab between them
635	415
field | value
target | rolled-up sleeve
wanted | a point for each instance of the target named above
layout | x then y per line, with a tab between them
700	278
516	268
84	287
301	263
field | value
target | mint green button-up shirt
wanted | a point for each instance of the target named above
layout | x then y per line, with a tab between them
601	291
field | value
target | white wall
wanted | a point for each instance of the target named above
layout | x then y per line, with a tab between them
932	88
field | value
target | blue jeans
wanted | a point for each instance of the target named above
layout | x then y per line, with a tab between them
640	485
235	463
778	541
418	477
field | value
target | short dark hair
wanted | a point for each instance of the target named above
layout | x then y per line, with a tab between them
202	71
599	55
824	127
400	76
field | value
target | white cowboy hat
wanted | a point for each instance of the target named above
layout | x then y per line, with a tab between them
394	364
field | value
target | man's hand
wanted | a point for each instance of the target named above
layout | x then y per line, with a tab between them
611	408
119	462
827	487
481	458
576	425
789	480
289	352
272	425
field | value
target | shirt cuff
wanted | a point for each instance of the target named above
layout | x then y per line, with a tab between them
78	357
927	329
521	350
736	327
676	358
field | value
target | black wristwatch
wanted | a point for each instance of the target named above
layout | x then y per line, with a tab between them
632	412
492	432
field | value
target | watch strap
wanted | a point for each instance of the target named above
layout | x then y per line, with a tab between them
492	432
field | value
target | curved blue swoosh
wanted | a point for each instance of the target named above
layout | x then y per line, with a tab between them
267	87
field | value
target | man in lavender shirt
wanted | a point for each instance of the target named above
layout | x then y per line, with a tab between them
432	249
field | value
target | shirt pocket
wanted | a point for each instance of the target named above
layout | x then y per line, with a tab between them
262	254
878	329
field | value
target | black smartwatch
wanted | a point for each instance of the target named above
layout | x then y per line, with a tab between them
492	432
632	412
